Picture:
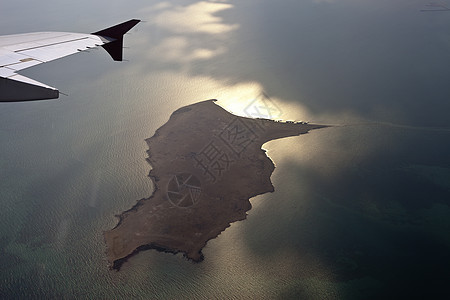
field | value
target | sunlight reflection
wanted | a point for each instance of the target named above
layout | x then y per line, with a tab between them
184	35
239	99
242	261
178	49
341	153
197	17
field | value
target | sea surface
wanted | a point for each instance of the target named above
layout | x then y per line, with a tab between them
360	210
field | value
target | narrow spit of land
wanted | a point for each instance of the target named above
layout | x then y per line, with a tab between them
206	165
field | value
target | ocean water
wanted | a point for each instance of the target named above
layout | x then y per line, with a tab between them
360	210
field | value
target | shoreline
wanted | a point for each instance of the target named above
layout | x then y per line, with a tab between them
206	165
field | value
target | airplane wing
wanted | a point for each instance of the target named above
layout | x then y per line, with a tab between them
21	51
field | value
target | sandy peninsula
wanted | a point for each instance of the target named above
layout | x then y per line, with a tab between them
206	165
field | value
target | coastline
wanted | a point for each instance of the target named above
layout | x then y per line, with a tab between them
206	165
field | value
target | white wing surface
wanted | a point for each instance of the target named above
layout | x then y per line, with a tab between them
21	51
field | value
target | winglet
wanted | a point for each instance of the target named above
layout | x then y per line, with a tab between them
115	34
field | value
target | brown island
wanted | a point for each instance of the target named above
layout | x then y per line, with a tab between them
207	163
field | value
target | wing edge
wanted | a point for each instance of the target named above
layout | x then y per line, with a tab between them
19	88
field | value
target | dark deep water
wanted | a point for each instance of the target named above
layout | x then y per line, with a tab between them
360	211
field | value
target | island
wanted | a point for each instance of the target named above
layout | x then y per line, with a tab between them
206	165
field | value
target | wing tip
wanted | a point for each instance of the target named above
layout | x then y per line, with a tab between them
116	32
